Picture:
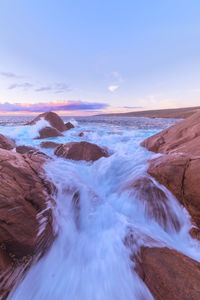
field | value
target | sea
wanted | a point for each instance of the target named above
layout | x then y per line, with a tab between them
89	259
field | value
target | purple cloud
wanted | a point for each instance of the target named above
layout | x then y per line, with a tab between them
44	107
9	75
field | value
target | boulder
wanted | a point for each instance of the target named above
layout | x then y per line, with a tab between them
81	134
6	143
48	145
48	132
25	214
25	149
69	125
169	274
54	120
183	137
178	170
80	151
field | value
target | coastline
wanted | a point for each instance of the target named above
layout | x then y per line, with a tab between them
174	113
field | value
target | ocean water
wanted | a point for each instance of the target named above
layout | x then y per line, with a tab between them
90	260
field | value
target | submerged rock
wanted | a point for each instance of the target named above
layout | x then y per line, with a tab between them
54	120
48	132
69	126
25	214
80	151
169	274
6	143
49	144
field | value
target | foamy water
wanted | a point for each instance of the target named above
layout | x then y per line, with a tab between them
89	260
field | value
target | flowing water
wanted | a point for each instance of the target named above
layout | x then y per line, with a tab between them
96	212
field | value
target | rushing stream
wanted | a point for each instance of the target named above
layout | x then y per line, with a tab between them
94	213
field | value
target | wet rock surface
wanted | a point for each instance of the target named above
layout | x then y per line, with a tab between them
48	132
169	274
178	170
25	212
80	151
184	137
54	120
6	143
68	126
25	149
49	145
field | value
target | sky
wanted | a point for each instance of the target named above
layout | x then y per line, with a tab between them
83	57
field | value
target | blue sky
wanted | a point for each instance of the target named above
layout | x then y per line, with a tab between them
122	54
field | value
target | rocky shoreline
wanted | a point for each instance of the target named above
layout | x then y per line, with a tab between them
27	203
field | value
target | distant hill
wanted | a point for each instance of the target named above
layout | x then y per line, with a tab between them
176	113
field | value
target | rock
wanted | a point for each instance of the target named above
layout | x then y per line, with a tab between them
6	143
184	137
54	120
25	214
169	274
179	169
81	134
195	233
155	202
48	132
25	149
48	145
180	174
68	126
80	151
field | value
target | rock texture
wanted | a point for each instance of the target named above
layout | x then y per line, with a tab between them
54	120
184	137
80	151
178	169
48	145
180	174
68	126
48	132
25	221
169	274
25	149
6	143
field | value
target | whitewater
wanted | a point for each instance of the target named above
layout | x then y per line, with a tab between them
95	213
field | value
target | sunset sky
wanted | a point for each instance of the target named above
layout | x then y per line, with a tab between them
91	56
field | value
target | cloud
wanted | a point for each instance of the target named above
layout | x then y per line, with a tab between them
24	85
51	106
56	88
9	75
112	88
133	107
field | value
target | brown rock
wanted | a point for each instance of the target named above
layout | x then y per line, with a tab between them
68	126
81	134
48	132
80	151
169	274
25	222
53	119
48	145
6	143
195	233
183	137
180	174
155	202
25	149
